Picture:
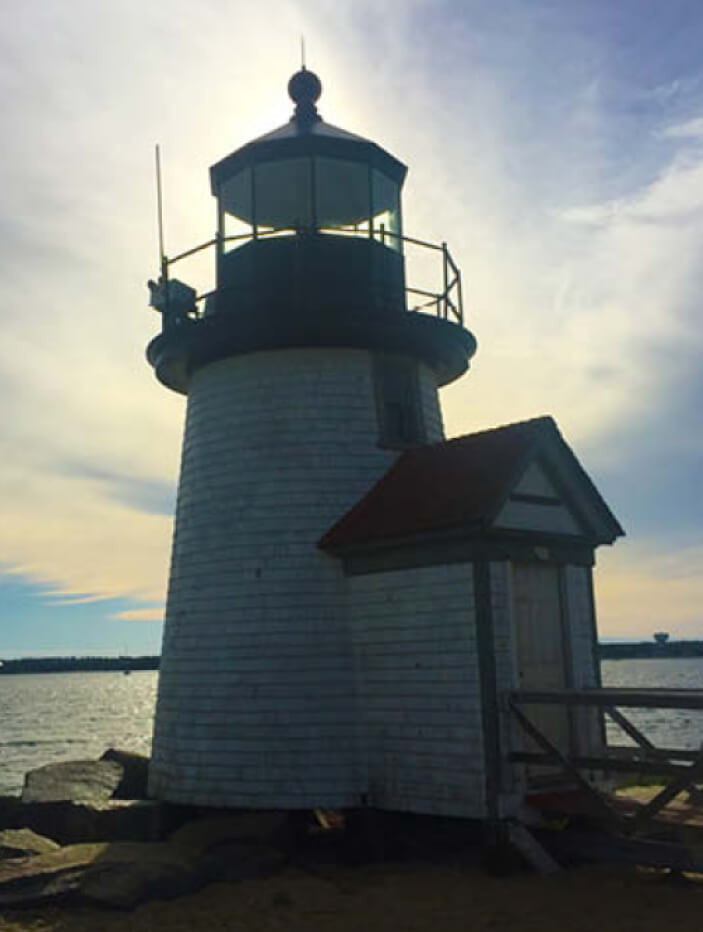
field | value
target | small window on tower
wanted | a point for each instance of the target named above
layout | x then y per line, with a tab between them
400	422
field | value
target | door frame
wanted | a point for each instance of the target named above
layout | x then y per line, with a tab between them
565	633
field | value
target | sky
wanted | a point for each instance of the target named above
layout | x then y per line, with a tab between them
556	145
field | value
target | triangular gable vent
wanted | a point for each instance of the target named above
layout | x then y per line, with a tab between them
535	504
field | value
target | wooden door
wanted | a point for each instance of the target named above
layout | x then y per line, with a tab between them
542	658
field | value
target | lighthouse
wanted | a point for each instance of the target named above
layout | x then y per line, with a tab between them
306	376
350	594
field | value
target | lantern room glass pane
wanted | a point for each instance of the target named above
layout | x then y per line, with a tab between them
236	208
386	210
282	194
235	196
342	194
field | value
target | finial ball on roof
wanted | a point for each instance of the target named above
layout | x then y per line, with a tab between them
304	87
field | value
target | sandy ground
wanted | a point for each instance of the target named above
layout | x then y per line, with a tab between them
406	898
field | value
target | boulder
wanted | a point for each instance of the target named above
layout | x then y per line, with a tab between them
87	781
9	806
125	874
23	842
135	773
250	826
120	875
32	881
237	845
71	822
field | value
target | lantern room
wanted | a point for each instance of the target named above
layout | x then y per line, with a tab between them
312	211
310	251
308	175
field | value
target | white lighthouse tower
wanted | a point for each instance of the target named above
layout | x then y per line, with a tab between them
307	376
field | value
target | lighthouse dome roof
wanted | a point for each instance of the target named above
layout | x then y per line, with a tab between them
306	134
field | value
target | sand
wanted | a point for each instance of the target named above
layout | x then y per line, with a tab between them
406	897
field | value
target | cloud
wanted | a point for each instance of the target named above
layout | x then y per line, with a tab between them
66	533
559	158
142	614
151	496
690	129
641	592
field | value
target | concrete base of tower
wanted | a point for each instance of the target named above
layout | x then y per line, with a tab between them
256	704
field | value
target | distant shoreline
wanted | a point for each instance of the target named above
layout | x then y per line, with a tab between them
630	650
645	650
78	664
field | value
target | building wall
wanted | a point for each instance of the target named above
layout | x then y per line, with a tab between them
431	408
418	693
256	687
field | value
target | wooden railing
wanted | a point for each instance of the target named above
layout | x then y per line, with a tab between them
681	768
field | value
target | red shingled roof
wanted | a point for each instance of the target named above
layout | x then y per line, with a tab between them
455	483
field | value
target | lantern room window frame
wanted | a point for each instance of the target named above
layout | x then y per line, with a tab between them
241	218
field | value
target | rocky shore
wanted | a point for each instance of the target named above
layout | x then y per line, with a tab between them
85	833
450	896
84	849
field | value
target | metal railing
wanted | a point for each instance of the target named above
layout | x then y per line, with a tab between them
447	303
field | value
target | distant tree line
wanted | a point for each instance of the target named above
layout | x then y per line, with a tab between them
615	651
644	649
77	664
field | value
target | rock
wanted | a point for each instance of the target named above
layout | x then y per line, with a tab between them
120	875
9	806
34	880
23	842
253	826
237	845
125	874
84	781
135	773
108	820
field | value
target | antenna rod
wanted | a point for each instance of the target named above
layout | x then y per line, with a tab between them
160	206
302	52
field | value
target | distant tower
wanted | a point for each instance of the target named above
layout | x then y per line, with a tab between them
306	377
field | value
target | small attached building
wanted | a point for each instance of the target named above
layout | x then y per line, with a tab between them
469	574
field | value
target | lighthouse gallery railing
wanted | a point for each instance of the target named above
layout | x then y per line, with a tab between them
448	303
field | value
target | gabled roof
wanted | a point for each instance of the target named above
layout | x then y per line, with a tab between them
465	482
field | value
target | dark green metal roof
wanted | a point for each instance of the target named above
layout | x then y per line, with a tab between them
306	134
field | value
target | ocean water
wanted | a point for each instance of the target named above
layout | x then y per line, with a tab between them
48	717
666	728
